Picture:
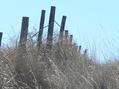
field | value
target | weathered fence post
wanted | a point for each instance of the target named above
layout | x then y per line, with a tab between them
80	49
71	38
66	37
66	34
1	38
23	74
42	20
75	46
85	52
24	32
51	26
62	28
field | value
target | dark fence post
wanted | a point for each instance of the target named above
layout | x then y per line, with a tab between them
66	34
42	20
75	46
66	37
71	38
24	31
62	28
1	38
85	52
22	69
80	49
51	26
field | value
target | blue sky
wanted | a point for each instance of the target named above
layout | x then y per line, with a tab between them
94	23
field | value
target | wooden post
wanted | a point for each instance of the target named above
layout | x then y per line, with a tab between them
1	38
22	69
66	37
71	38
80	49
66	34
51	26
63	24
42	20
85	52
75	46
62	28
24	31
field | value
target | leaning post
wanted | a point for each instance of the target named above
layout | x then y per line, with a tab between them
42	20
51	27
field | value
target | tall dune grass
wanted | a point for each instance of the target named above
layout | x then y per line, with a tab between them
62	67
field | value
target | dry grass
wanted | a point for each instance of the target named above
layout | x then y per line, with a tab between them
62	67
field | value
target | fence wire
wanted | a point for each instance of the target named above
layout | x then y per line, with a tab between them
5	57
11	53
57	23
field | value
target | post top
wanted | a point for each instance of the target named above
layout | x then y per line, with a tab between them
53	6
43	10
1	33
64	16
25	17
66	31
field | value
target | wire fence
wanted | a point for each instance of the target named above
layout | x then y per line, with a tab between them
29	40
50	31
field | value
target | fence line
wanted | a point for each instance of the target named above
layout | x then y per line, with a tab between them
23	40
41	27
23	43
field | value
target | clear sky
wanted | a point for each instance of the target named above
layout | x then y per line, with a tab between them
94	23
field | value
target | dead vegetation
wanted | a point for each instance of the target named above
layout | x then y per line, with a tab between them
62	67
